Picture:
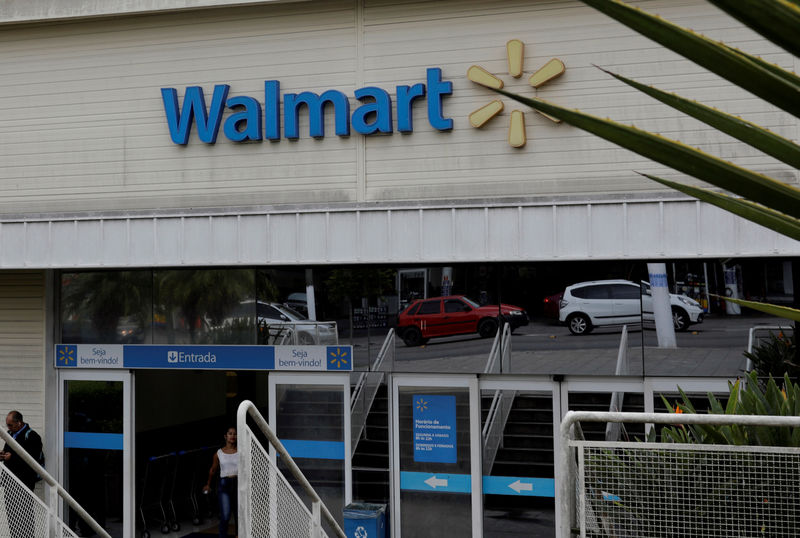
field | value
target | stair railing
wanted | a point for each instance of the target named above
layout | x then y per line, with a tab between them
268	505
366	388
26	508
492	434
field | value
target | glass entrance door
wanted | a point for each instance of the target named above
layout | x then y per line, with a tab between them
519	425
435	456
96	442
310	414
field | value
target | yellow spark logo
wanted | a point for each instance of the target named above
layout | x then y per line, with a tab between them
422	405
339	357
477	74
66	355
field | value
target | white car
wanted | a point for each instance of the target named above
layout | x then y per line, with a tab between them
280	324
587	305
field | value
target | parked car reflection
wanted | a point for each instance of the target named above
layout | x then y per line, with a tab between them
452	315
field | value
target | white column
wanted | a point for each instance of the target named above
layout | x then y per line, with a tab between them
662	311
310	302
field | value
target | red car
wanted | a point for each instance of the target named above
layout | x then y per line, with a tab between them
455	314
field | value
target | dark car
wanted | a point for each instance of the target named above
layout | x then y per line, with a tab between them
551	305
452	315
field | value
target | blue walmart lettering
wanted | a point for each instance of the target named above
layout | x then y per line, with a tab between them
247	122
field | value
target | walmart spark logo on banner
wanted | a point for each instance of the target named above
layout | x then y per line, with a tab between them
67	356
339	358
515	54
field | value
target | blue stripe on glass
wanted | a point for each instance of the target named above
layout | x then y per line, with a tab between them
519	485
443	482
102	441
319	450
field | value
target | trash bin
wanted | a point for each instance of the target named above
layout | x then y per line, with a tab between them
364	520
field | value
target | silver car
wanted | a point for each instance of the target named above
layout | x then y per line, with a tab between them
587	305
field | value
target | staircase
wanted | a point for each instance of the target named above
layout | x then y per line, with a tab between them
371	459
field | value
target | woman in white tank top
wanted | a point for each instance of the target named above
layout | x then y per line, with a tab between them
226	464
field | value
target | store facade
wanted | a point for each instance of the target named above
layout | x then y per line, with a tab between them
147	145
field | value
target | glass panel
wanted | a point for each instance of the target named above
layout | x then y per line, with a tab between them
434	448
310	424
93	446
518	469
109	307
609	401
204	306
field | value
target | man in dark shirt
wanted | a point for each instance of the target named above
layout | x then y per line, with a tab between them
30	441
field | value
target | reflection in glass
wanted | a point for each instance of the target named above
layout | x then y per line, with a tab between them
93	427
429	512
204	306
310	423
110	307
518	463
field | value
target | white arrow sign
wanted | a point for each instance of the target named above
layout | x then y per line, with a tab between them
433	482
521	486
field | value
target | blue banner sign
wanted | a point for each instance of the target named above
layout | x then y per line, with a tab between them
200	357
434	428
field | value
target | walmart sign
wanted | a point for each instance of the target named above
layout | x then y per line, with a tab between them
247	121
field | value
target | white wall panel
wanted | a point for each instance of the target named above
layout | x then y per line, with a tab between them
406	235
470	232
37	243
142	240
572	227
115	241
283	238
682	234
375	245
572	231
223	238
438	235
343	241
537	236
169	241
22	338
253	238
504	233
311	237
606	229
645	230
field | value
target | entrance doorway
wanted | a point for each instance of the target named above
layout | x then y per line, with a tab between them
95	425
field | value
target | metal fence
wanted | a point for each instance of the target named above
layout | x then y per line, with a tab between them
24	515
268	505
670	489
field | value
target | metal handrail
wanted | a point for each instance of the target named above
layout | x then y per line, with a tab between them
566	462
751	339
388	342
497	352
248	408
46	477
359	414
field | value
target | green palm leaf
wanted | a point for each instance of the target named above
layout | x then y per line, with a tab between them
764	216
756	187
777	20
748	132
715	57
774	310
